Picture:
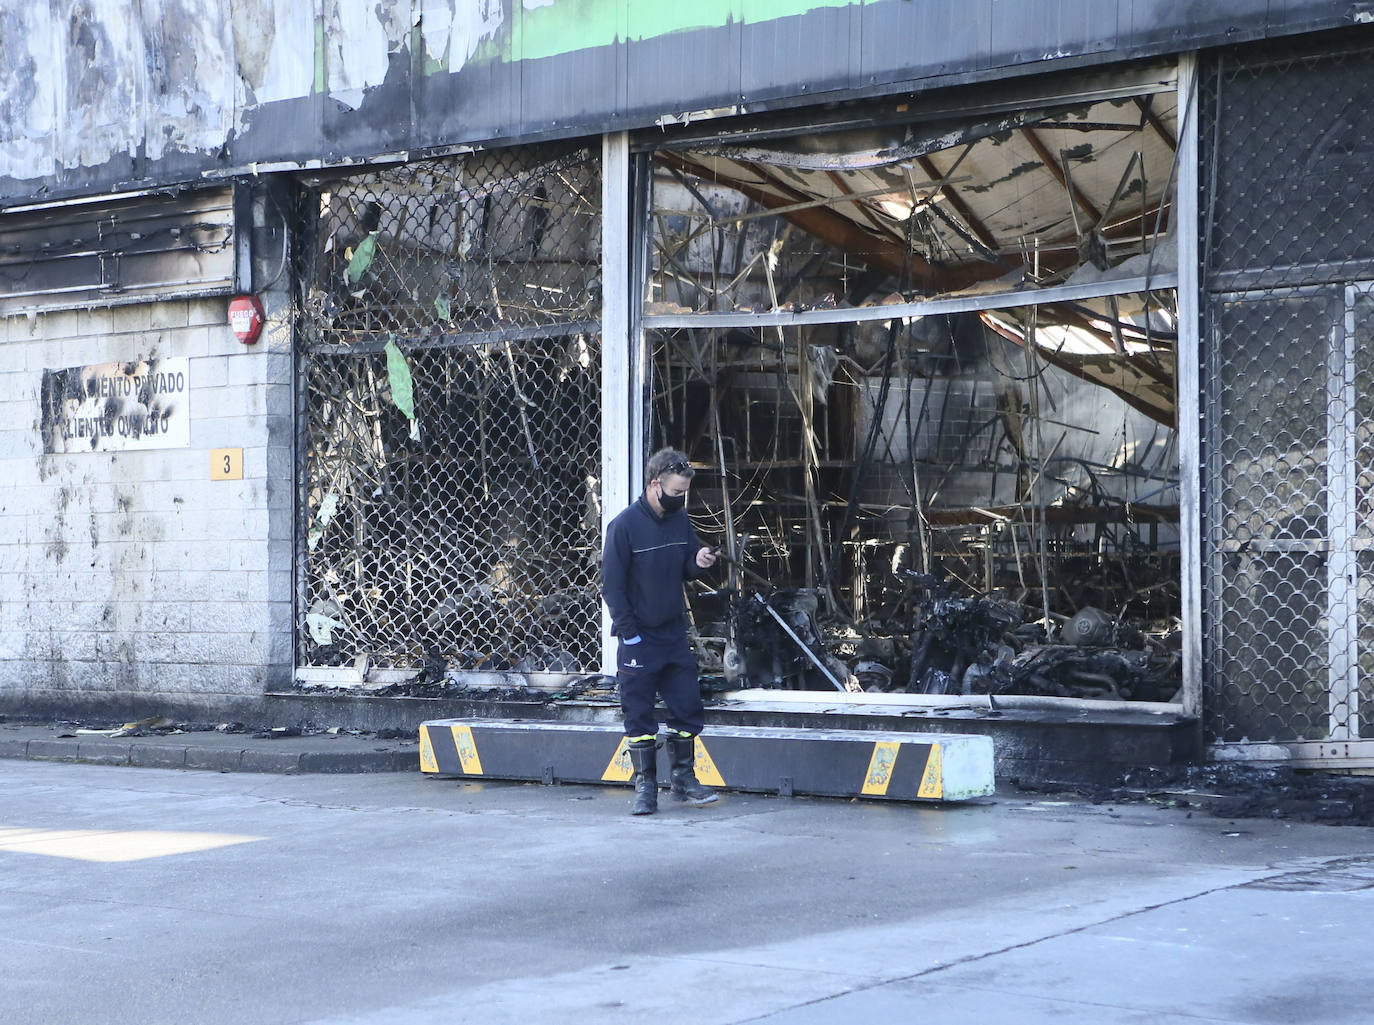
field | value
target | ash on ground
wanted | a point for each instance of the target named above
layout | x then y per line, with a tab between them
1228	791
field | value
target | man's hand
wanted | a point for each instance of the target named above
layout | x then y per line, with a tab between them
706	556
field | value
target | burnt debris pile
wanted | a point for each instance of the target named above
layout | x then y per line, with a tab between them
939	642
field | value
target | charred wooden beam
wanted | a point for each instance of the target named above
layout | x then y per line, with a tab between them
976	226
1047	158
842	233
869	216
1146	105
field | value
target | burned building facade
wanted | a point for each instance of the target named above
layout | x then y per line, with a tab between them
1020	355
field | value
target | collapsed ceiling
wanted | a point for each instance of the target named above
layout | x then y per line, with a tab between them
1067	194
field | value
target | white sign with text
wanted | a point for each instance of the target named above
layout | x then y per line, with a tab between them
109	407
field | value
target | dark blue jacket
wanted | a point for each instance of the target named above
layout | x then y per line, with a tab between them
643	567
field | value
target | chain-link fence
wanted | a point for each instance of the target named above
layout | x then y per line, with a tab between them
1288	243
450	440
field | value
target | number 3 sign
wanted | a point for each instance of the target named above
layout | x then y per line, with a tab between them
226	464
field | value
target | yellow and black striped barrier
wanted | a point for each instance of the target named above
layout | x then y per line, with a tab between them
829	763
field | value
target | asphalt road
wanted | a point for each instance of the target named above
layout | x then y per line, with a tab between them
148	896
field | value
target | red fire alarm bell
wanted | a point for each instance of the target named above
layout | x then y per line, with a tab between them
245	318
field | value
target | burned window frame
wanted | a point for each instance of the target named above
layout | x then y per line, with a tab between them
663	317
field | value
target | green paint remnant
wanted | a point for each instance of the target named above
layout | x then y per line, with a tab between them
419	57
319	54
361	259
441	307
569	25
428	63
434	65
492	49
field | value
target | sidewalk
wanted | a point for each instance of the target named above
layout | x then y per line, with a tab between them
1229	791
208	748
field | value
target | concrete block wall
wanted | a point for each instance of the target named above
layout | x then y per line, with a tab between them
130	582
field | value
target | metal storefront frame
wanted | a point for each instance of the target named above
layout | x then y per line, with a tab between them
622	360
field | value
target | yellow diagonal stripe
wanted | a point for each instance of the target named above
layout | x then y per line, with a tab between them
428	763
620	769
467	750
707	772
933	780
880	768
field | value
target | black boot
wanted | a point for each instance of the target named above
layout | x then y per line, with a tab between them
644	758
682	758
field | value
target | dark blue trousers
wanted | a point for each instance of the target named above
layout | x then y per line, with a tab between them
662	664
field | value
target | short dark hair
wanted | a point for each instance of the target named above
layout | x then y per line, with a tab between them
669	461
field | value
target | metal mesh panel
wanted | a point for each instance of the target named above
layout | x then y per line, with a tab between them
1289	398
450	416
1269	528
1360	328
1291	139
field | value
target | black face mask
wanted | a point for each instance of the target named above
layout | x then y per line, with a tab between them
670	503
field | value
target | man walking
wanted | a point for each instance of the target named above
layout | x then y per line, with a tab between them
651	551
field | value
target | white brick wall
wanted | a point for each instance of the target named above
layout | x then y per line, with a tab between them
129	577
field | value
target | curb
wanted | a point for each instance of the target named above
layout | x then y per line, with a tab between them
211	759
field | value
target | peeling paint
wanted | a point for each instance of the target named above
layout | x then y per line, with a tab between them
28	93
188	75
98	97
274	48
454	30
435	21
113	89
474	23
360	35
